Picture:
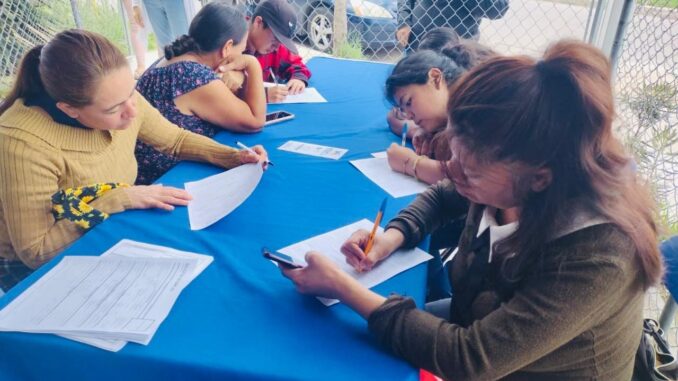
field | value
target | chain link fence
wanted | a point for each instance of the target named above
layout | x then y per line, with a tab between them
26	23
647	92
646	81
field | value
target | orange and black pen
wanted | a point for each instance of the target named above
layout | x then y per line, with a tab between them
377	222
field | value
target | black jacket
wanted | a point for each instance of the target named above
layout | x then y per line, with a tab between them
462	15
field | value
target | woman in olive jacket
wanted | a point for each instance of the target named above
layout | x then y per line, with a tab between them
560	242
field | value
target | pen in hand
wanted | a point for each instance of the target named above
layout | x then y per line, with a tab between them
248	149
377	222
404	139
275	80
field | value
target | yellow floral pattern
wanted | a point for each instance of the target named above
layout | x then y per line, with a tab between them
73	204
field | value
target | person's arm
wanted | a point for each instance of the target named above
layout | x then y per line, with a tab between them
168	138
29	176
290	66
438	204
549	310
217	104
491	9
404	160
427	170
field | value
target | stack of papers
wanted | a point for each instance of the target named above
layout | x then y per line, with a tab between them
123	295
329	244
395	183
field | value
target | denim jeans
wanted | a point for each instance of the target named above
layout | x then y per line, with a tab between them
168	19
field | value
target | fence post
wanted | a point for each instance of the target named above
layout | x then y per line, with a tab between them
340	24
126	20
607	24
76	14
624	21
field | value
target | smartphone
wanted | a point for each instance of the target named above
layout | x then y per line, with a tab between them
280	258
277	117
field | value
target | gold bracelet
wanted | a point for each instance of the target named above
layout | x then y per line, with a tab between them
414	166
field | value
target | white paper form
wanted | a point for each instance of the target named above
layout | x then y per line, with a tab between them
395	183
381	154
308	95
109	298
214	197
313	150
129	248
329	244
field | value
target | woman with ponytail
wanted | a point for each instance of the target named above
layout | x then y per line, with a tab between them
560	241
67	134
187	89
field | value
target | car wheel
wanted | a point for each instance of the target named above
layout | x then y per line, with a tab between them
320	30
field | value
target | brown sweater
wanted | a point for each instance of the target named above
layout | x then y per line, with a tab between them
39	156
575	315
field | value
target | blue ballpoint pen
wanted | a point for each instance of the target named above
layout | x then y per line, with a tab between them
402	143
246	148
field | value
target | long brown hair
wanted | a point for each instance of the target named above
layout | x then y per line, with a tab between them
68	68
556	113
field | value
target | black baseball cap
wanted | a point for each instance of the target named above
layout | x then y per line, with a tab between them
281	18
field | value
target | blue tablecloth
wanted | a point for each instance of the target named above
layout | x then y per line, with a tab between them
240	318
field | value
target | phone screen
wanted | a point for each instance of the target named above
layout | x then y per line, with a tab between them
277	115
282	259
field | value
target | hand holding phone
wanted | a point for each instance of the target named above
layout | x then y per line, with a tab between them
277	117
280	259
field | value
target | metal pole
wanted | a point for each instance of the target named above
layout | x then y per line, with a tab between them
76	14
125	26
588	21
624	20
668	313
596	21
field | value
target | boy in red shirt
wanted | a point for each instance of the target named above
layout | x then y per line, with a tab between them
270	40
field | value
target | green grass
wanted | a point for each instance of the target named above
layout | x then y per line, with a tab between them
673	4
101	18
152	42
5	86
352	48
96	16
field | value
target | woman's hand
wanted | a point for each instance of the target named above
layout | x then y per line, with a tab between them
259	155
233	79
399	157
156	196
321	277
295	86
383	245
421	141
240	62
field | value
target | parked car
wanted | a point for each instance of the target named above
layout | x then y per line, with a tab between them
372	22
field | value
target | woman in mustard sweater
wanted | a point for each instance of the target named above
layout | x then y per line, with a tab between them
560	241
67	135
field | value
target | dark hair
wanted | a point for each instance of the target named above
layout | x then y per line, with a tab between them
468	53
439	38
215	24
68	68
414	68
555	113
